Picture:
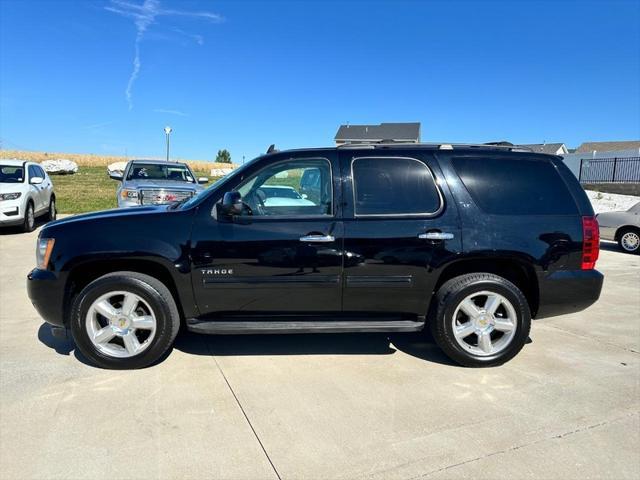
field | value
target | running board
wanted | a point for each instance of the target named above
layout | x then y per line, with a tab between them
309	326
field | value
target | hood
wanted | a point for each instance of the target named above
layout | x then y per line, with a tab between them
115	213
162	184
11	187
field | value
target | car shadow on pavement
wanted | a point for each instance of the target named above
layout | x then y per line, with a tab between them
611	247
415	344
60	345
17	230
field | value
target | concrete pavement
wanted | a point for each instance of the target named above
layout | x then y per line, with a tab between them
324	406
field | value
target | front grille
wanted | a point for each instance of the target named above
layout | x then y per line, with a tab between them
159	197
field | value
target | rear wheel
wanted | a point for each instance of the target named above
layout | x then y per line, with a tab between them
29	218
629	240
124	320
481	319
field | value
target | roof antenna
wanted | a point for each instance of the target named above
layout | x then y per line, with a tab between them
272	148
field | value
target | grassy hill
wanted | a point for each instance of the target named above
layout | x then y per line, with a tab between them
91	188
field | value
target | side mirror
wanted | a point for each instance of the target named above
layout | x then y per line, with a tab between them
115	176
202	180
231	204
36	180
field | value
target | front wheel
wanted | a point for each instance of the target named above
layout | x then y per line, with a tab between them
481	319
124	320
52	213
29	218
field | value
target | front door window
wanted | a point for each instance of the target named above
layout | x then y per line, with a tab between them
292	188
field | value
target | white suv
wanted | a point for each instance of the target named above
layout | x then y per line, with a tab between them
26	192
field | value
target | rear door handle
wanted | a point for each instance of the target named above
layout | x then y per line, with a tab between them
318	238
435	236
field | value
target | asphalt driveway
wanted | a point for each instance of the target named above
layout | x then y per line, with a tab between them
324	406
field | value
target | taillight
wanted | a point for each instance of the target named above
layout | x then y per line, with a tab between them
590	242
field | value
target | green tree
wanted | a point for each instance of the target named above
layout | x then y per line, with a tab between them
223	156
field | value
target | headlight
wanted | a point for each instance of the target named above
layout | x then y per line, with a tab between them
129	194
10	196
43	252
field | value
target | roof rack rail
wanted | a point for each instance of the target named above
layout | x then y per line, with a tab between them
437	145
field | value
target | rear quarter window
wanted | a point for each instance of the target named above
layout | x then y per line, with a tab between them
515	186
393	186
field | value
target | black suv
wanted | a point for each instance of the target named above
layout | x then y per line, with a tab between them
468	241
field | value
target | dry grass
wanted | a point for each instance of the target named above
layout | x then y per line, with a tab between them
91	160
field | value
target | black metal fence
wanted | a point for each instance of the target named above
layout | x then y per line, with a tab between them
610	170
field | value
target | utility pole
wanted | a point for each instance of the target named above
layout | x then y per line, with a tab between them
167	131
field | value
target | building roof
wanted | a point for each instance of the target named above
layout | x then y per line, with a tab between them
384	131
588	147
550	148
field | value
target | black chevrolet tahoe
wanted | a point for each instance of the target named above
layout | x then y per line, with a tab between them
468	241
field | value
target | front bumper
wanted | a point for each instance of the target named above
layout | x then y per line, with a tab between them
11	212
46	292
568	291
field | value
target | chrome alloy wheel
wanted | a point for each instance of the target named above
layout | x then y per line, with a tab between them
630	241
484	323
120	324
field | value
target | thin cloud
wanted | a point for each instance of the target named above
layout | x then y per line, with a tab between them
199	39
143	17
171	112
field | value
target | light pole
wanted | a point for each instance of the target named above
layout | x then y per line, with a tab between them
167	131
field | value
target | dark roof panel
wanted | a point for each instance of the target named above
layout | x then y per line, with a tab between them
550	148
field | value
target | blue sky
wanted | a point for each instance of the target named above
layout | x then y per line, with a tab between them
242	75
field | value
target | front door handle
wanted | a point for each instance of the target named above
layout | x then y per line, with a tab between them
435	236
318	238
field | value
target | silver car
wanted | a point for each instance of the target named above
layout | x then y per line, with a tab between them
622	227
156	182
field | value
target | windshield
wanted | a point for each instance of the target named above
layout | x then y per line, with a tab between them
154	171
635	208
238	171
11	174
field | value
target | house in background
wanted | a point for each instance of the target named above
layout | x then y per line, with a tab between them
607	162
397	132
550	148
632	146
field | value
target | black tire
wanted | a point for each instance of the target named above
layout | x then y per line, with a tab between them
152	291
52	212
29	223
621	236
447	299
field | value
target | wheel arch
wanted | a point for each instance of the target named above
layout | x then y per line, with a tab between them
517	271
83	274
624	228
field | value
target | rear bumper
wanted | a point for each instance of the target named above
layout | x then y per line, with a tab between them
569	291
46	291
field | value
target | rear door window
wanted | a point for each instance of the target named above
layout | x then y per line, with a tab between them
393	186
515	186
